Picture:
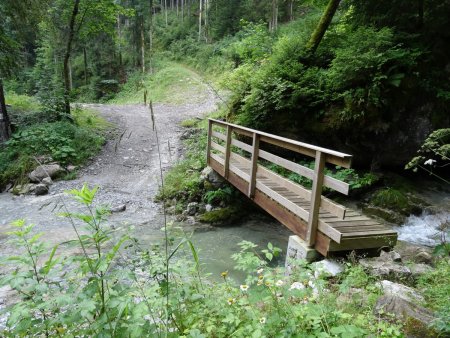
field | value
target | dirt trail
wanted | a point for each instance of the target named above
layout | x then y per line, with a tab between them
127	170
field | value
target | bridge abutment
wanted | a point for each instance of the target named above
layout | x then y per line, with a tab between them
298	249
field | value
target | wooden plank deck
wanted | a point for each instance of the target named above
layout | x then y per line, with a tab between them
327	225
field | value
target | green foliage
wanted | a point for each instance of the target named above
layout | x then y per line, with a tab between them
390	198
355	179
111	287
190	123
225	194
65	142
436	287
253	43
434	152
22	103
183	182
171	83
227	215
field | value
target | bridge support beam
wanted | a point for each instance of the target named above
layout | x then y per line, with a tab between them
299	249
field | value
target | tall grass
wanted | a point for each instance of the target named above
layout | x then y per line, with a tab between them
171	83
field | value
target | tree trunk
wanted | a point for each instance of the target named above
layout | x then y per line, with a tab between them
150	38
142	47
291	10
182	10
274	22
86	66
67	57
5	126
200	20
205	26
323	25
70	76
165	11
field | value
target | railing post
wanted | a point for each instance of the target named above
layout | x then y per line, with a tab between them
316	194
255	155
208	146
226	165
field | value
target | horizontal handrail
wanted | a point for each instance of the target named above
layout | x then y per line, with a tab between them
332	156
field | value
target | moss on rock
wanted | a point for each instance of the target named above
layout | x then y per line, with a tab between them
228	214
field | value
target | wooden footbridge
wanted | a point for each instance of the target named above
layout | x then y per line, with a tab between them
241	155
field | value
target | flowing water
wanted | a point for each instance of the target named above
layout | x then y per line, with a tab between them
427	229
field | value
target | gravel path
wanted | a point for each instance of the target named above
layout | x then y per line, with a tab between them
127	172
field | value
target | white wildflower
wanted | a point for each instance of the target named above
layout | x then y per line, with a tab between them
262	320
297	286
279	283
260	271
429	162
244	287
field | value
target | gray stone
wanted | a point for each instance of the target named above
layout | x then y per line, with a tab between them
329	266
208	207
403	309
419	269
41	189
118	208
71	168
192	208
47	181
383	268
208	174
424	257
46	170
399	290
391	255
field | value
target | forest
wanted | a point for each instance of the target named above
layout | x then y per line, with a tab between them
369	78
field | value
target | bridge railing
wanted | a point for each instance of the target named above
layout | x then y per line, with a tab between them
230	136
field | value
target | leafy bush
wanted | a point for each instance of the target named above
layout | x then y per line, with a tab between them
220	195
65	142
183	182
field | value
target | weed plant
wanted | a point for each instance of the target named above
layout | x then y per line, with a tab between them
110	287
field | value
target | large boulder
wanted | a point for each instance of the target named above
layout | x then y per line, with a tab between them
416	317
403	302
399	290
208	174
46	170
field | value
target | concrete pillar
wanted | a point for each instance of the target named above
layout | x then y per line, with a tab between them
298	249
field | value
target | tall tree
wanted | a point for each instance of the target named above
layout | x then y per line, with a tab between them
67	77
323	25
5	126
